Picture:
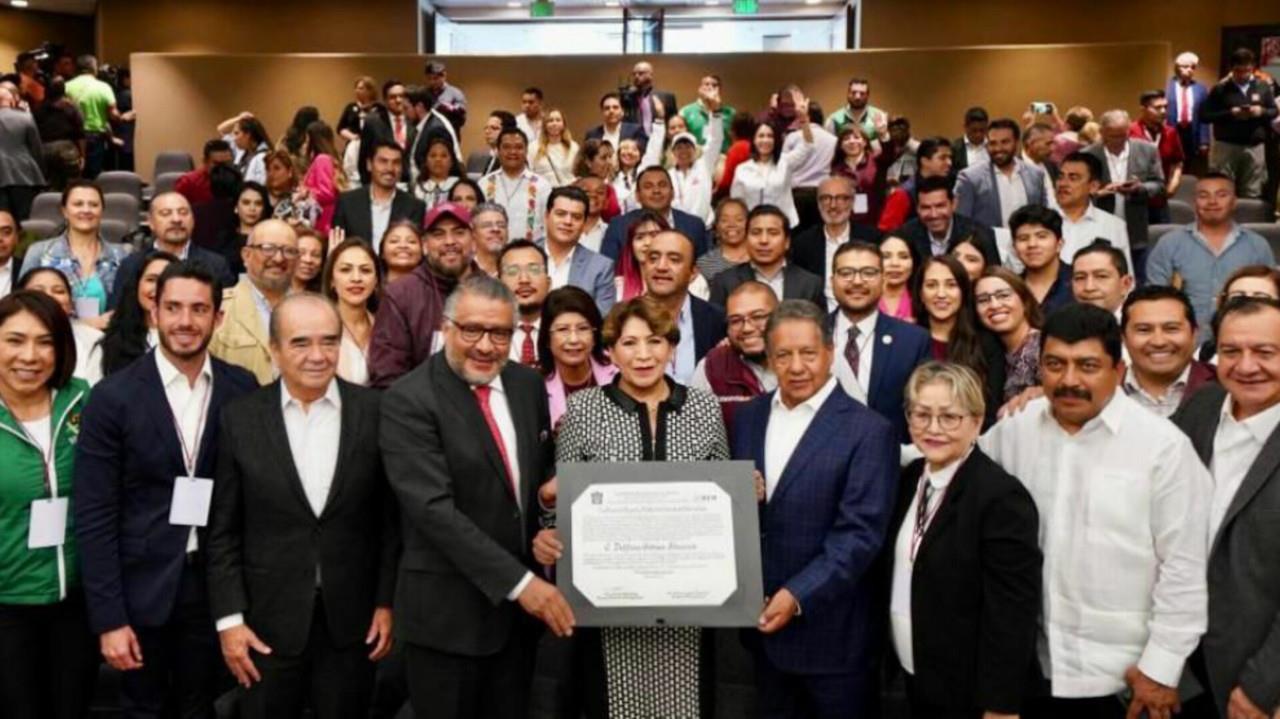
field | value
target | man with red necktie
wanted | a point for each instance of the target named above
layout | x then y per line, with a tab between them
1185	95
522	267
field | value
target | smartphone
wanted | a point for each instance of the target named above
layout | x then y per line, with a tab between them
1042	108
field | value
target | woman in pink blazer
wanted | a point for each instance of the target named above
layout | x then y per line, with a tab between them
324	178
570	351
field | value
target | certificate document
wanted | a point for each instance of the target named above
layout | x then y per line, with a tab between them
666	544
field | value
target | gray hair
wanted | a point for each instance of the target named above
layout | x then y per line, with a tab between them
484	207
1187	58
1114	118
478	285
273	327
802	310
966	388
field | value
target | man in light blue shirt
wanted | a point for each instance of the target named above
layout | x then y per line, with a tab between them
668	270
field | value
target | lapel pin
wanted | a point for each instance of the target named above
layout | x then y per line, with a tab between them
887	339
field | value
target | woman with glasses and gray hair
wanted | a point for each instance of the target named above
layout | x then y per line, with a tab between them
966	561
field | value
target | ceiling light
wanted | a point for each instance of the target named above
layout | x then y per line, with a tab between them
812	2
18	3
713	2
612	3
513	3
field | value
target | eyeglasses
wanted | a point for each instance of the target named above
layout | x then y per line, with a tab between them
832	199
868	274
532	270
1001	296
757	319
271	250
923	419
564	332
472	334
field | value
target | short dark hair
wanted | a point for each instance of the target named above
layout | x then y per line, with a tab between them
568	299
191	269
521	244
1241	306
47	310
506	118
390	83
433	67
654	168
1150	96
467	182
1088	160
1102	246
1006	123
857	81
936	184
569	192
1153	293
508	131
770	211
856	246
1078	322
976	114
743	125
17	224
1036	215
385	143
899	121
608	95
535	91
76	185
1243	57
218	145
418	95
930	146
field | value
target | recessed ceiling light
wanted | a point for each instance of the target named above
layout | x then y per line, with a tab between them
513	4
812	2
18	3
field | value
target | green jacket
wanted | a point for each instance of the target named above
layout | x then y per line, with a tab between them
47	575
696	118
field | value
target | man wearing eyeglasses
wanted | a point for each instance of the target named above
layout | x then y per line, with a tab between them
875	353
270	258
813	248
739	371
522	267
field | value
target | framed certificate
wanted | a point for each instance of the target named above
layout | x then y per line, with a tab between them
660	543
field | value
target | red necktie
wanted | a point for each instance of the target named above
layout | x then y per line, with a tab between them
482	397
400	130
528	357
1184	107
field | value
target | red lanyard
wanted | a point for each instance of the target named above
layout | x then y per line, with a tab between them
924	515
189	457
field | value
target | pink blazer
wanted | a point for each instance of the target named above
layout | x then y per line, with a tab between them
322	182
603	373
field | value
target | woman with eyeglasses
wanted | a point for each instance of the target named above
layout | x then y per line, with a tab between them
570	350
1007	308
966	562
642	415
1258	281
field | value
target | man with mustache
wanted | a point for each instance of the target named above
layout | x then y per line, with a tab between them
171	222
270	258
1123	502
522	267
739	371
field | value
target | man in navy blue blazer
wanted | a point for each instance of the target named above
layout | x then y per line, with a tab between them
668	270
145	433
1186	95
614	129
172	223
829	467
654	192
875	353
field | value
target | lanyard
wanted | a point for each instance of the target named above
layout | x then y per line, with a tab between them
46	453
189	457
924	515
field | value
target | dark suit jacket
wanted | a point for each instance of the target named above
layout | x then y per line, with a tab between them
626	131
132	265
266	545
127	457
821	531
900	347
377	127
797	284
961	227
355	212
466	540
809	248
481	163
1144	164
631	110
615	235
708	326
1242	644
959	158
975	589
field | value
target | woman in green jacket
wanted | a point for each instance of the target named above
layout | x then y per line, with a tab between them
46	651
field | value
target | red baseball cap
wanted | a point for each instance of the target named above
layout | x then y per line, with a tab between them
452	209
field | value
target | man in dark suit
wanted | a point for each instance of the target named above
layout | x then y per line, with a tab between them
303	539
654	192
171	222
366	212
812	248
144	468
1186	95
1241	108
668	269
466	440
639	100
1127	197
937	227
1233	428
875	353
829	468
428	122
482	162
768	241
971	148
393	124
10	233
614	130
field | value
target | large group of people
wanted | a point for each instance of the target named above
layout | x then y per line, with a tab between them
300	433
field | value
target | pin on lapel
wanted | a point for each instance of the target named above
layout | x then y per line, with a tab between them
887	339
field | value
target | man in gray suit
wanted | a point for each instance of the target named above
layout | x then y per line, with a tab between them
1131	175
991	191
1233	428
568	262
20	175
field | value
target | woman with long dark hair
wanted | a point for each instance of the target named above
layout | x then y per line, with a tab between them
352	282
131	332
765	179
626	271
439	172
296	136
324	179
249	140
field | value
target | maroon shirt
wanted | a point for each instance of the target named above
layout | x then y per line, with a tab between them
1170	147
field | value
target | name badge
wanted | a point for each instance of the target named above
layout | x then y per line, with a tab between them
191	499
87	307
859	203
48	523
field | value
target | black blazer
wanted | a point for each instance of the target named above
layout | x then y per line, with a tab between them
377	127
975	589
132	264
467	543
961	227
626	131
708	326
482	162
809	247
631	106
354	212
959	158
797	284
127	457
266	545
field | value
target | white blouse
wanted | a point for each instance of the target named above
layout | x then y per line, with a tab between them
692	188
353	360
557	165
768	183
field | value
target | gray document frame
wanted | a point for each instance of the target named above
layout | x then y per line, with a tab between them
741	609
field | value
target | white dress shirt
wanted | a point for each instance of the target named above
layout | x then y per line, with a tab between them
685	359
531	128
1118	165
975	154
769	183
501	409
1236	445
1123	509
517	340
904	561
559	271
776	281
1013	194
786	429
1164	406
829	253
314	433
189	403
1093	224
855	385
6	277
380	213
594	237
